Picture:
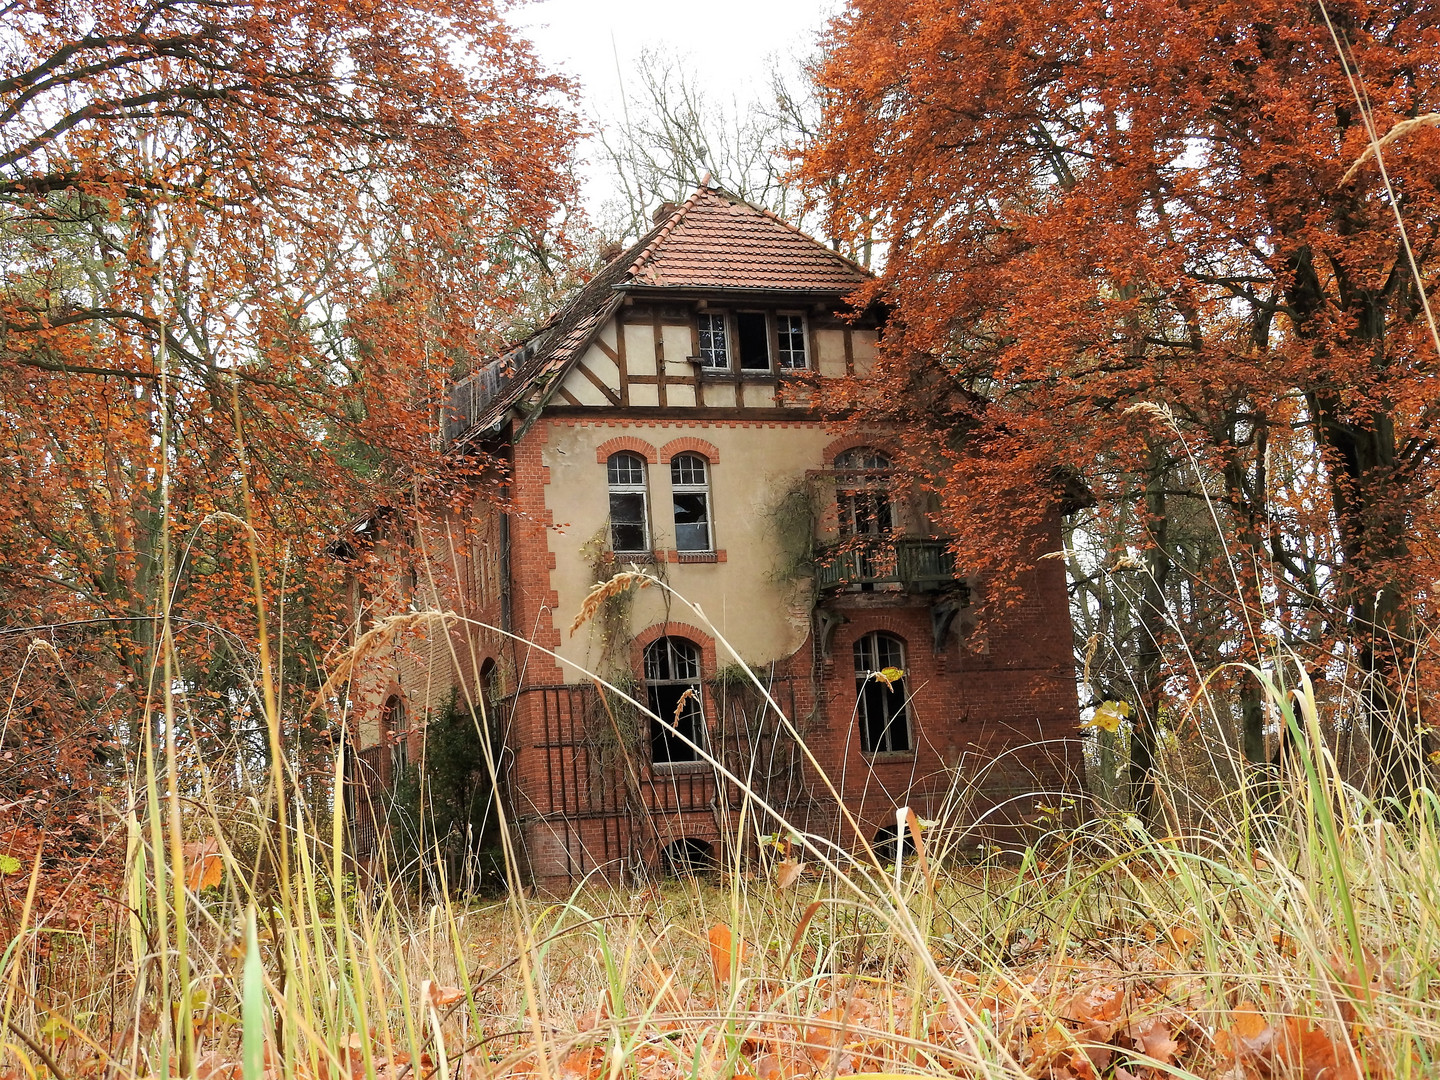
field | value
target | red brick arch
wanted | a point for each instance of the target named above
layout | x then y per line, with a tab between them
871	623
689	444
854	439
633	443
676	629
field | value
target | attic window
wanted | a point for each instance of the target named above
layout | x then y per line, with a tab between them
753	338
714	352
790	332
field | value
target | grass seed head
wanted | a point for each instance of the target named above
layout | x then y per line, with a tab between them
617	585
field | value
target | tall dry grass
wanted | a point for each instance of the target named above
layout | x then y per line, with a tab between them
1292	931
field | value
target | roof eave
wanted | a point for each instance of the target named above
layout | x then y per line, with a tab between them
639	288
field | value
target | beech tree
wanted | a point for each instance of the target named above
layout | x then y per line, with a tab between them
245	240
1089	207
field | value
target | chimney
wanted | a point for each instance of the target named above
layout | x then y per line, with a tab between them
611	250
663	211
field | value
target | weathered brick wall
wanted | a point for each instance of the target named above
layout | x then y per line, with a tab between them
457	571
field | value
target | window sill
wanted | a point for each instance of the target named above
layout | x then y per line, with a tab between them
696	556
885	757
623	557
751	374
679	766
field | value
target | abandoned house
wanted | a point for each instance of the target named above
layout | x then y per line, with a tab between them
662	421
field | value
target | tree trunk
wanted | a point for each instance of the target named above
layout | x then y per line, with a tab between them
1366	491
1252	724
1369	490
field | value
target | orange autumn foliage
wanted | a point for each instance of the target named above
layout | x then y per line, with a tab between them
248	239
1123	234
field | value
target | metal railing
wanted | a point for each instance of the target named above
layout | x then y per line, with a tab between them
916	564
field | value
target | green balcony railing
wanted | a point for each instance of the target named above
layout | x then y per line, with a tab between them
917	564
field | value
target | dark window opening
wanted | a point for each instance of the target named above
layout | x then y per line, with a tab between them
692	524
490	695
672	689
627	522
889	844
866	513
689	856
753	333
629	529
884	712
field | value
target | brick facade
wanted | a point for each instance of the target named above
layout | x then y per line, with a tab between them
993	717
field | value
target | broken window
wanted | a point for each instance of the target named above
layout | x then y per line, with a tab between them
629	522
691	493
672	689
393	726
883	708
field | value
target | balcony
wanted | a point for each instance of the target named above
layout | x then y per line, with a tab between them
914	564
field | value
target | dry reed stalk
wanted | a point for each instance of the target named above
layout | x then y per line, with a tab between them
1403	128
1153	409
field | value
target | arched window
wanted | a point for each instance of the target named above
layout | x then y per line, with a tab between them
395	728
690	490
862	492
884	714
890	843
629	520
672	688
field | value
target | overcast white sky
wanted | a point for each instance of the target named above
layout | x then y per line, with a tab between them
729	43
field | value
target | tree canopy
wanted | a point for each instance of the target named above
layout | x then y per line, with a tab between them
1090	207
247	239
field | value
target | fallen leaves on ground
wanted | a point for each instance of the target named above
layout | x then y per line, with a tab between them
440	996
1137	1015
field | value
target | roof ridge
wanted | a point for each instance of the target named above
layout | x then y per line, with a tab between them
849	262
676	216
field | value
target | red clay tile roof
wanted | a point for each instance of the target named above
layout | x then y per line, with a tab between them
479	402
716	240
